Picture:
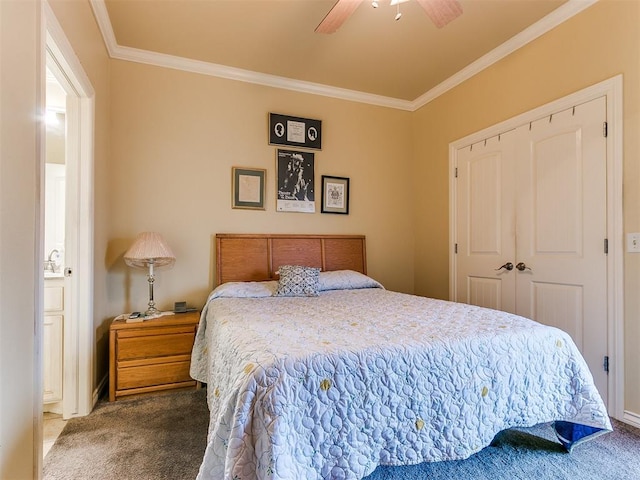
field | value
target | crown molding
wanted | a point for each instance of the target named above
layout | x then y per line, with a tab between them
542	26
104	24
248	76
547	23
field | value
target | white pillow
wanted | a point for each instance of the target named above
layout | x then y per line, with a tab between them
245	289
346	280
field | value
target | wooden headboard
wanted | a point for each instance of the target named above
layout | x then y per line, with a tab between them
256	257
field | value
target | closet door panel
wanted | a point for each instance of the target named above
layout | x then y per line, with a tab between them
561	306
556	181
485	224
561	228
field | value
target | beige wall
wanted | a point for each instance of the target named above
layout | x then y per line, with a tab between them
174	139
597	44
20	162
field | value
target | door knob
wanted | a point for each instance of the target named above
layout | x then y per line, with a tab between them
522	267
507	266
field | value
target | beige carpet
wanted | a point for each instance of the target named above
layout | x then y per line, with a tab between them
156	437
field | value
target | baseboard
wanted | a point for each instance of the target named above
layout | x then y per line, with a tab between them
631	418
102	386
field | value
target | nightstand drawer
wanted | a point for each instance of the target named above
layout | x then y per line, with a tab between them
155	345
150	375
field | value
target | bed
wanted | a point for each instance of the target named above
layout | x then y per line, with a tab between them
321	373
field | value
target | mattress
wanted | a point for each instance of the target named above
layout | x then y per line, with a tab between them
333	386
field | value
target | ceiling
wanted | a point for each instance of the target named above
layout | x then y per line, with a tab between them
371	53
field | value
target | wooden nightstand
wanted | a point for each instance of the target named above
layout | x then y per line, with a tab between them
152	355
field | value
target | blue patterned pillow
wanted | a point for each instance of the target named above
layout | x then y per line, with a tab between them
298	281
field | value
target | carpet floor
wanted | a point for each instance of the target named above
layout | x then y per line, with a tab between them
163	436
155	437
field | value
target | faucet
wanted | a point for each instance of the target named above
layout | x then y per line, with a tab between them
50	264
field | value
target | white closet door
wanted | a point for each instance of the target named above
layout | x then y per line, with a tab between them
537	198
561	228
485	224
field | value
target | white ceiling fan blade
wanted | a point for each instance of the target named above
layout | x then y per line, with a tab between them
337	16
441	12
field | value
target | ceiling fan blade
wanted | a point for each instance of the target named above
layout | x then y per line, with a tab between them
441	12
337	16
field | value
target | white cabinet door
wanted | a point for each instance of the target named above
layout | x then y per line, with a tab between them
53	351
52	358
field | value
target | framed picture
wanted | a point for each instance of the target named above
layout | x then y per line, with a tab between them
295	177
295	131
335	195
247	185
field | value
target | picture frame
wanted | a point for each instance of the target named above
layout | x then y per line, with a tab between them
295	177
335	195
295	131
248	188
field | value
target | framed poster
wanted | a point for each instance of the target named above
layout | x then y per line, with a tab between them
295	177
295	131
247	186
335	195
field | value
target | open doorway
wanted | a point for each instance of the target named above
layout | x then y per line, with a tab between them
69	252
54	255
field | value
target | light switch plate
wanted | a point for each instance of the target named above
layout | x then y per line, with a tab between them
633	242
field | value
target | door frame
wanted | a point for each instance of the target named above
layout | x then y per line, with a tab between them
612	90
79	349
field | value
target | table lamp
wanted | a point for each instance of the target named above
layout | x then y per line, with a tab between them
149	250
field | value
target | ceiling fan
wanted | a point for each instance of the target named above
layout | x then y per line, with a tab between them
441	12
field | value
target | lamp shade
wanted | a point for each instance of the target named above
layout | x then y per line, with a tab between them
149	248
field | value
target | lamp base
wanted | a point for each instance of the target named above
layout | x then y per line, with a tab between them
151	310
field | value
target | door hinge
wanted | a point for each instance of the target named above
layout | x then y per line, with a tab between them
456	173
455	248
605	129
606	246
605	364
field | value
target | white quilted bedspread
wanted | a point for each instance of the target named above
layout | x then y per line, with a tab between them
329	387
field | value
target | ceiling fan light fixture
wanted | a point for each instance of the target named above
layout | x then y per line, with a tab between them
441	12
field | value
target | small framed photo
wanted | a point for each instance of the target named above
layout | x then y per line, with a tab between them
247	185
335	195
